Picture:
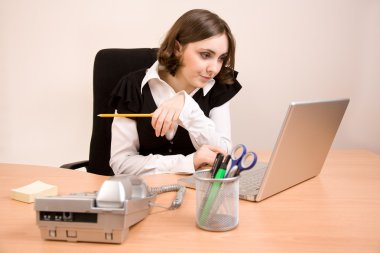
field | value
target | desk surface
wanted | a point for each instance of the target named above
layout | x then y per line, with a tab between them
338	211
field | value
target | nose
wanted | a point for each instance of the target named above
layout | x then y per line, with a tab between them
213	68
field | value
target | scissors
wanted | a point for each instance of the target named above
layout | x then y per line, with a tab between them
241	160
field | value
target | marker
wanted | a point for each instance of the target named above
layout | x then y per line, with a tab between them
214	191
217	163
222	169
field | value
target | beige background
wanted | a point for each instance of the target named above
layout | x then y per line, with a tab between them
286	50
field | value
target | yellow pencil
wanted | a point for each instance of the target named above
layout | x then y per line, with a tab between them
124	115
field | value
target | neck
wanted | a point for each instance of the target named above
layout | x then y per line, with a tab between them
175	82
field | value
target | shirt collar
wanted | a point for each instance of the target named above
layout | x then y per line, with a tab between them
152	73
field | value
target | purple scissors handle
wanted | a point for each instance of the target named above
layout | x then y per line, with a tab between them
248	161
237	154
241	159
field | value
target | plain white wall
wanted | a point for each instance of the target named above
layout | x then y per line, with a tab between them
286	50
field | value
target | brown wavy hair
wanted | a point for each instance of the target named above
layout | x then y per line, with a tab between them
196	25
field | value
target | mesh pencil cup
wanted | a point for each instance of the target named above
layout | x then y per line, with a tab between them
217	202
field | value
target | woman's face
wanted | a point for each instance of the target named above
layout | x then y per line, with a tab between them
201	61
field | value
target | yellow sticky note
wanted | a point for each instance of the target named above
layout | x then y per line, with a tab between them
29	192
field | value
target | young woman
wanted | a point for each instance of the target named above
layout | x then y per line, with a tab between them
188	91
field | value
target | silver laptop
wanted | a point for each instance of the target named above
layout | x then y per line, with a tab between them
304	141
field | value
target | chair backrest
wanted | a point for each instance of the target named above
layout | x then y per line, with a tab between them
109	66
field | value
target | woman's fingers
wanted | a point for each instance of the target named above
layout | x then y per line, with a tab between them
165	118
164	121
206	155
167	123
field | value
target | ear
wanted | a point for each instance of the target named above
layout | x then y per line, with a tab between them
178	48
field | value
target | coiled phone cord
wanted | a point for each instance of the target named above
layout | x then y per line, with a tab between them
180	189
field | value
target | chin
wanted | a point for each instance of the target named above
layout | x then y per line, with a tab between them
202	84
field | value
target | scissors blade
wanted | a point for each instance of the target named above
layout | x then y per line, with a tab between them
232	171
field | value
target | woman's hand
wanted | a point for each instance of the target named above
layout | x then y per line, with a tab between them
165	118
206	155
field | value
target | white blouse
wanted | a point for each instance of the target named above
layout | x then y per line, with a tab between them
215	130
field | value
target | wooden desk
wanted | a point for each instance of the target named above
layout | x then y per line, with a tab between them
338	211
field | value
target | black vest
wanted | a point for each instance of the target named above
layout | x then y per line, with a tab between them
128	98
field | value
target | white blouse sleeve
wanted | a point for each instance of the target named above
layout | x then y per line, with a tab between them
215	130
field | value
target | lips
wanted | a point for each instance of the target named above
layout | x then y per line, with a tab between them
206	78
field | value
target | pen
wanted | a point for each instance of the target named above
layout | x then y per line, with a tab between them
126	115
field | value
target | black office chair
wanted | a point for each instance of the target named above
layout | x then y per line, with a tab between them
109	66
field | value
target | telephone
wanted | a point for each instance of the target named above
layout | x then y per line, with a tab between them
102	216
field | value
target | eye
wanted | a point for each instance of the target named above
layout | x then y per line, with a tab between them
222	58
205	55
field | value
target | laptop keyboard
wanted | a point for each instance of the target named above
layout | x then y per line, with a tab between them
250	180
